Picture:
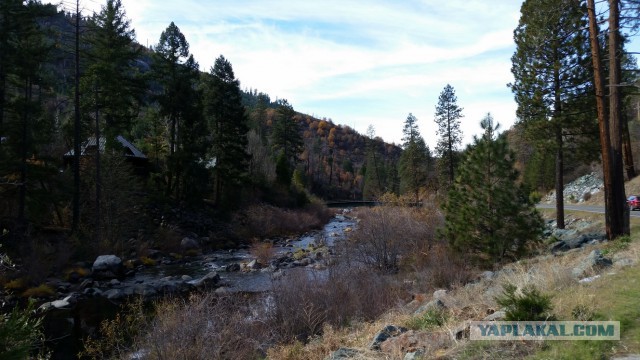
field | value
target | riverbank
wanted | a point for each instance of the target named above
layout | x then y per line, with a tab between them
592	281
173	260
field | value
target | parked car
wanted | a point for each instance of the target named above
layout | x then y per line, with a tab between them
634	202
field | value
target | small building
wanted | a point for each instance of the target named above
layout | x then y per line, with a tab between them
134	156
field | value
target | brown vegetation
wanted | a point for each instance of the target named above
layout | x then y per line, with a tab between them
265	221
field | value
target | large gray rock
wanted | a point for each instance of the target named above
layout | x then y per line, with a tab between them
343	353
496	316
433	305
571	240
584	239
440	294
384	334
414	355
594	260
114	294
108	267
65	303
207	281
254	265
188	243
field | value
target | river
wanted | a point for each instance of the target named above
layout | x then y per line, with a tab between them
65	328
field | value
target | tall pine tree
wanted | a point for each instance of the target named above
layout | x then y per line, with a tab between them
177	73
551	68
286	141
448	115
111	78
228	123
414	161
487	214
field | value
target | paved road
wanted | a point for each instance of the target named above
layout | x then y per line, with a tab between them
587	208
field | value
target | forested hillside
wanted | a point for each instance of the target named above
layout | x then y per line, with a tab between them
65	82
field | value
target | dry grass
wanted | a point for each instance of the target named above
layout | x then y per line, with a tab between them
266	221
40	291
262	251
304	302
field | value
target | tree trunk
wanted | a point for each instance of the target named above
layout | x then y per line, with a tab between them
98	165
3	84
627	151
603	118
24	149
557	113
559	179
76	128
450	150
620	208
172	150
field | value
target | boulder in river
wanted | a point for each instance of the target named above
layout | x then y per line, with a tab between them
108	267
188	243
209	280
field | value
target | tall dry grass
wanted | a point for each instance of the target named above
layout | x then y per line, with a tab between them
305	302
204	326
265	221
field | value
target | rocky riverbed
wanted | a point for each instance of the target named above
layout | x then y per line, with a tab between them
94	293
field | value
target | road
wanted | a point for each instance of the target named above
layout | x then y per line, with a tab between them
587	208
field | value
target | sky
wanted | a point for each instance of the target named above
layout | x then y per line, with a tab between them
358	63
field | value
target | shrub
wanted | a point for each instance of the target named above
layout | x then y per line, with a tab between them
15	284
535	197
117	336
439	267
305	301
39	291
79	271
620	244
582	313
262	251
147	261
213	327
385	234
430	319
530	305
20	333
265	221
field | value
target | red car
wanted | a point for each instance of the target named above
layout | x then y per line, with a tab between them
634	202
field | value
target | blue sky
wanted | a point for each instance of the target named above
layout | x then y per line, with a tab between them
358	63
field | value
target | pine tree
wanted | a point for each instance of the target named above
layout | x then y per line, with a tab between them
374	176
414	161
285	138
24	125
228	122
487	214
448	115
551	68
175	69
112	80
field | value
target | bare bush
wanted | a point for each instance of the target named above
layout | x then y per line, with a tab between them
264	221
440	267
304	302
387	234
205	327
262	251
